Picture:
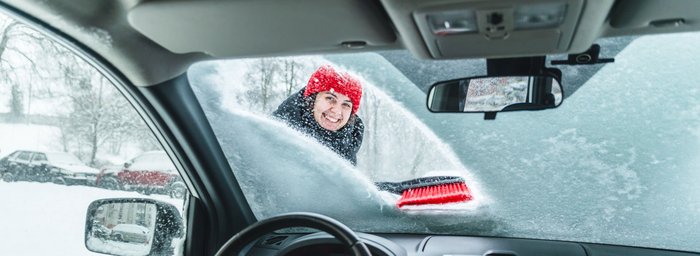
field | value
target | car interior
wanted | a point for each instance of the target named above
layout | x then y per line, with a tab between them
147	46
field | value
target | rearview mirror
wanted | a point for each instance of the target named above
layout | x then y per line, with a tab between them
132	226
495	94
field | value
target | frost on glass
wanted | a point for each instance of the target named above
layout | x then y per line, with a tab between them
283	170
259	86
613	164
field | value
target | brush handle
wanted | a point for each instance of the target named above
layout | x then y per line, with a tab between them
400	187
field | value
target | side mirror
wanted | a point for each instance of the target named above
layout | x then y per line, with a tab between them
127	164
495	94
132	226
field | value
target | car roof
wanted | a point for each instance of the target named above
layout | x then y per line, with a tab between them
130	227
40	151
153	41
155	152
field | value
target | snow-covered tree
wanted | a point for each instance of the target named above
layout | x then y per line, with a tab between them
291	73
271	80
99	114
261	77
19	47
8	28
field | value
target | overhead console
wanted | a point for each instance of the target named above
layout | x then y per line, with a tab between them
507	28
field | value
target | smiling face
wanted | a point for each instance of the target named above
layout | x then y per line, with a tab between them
332	110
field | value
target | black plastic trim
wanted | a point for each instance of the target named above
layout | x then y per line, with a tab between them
227	209
552	73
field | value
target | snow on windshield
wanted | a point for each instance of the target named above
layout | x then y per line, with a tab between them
396	145
611	165
282	170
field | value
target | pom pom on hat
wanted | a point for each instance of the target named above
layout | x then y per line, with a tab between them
326	78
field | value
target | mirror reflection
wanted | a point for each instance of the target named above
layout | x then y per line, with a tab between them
494	94
122	228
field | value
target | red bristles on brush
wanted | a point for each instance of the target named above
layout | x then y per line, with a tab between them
437	194
428	190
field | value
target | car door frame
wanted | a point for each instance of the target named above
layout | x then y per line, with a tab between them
216	207
40	167
21	166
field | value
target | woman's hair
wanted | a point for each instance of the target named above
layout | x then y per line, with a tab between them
309	103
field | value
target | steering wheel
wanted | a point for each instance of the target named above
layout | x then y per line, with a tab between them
345	235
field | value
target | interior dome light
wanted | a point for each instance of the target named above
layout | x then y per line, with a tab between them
537	16
452	22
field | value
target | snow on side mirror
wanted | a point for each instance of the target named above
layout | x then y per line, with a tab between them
132	226
495	94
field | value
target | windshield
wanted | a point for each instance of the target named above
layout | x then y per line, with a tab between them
63	158
613	164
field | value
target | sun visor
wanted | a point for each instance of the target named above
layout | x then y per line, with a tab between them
654	16
506	28
263	27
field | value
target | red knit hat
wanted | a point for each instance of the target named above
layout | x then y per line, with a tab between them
326	78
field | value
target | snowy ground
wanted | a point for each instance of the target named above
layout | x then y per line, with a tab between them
24	136
45	218
49	219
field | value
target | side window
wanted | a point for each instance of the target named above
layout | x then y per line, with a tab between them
24	156
14	155
58	105
39	157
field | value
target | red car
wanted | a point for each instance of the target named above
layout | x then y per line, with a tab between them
149	173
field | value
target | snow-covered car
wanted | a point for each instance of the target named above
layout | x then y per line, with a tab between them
130	233
150	172
43	166
599	158
100	231
19	165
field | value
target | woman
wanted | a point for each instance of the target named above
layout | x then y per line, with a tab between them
326	109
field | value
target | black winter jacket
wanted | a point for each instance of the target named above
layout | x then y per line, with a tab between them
297	114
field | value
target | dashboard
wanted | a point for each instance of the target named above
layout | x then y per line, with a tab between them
405	245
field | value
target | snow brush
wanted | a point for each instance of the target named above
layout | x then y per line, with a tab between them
428	190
